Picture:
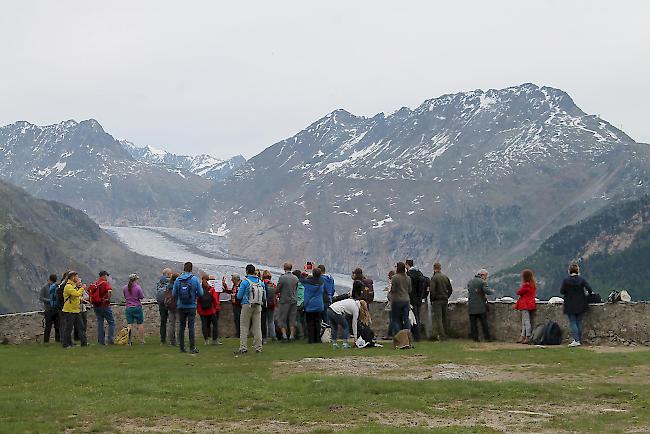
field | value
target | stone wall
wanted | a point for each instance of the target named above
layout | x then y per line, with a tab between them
621	323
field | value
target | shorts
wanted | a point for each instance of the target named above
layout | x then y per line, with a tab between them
285	314
134	314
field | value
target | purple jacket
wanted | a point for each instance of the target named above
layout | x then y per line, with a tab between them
133	298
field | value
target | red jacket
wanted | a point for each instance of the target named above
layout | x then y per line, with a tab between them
526	295
216	306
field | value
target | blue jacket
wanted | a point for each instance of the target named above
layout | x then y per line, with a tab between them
314	290
197	290
244	288
329	287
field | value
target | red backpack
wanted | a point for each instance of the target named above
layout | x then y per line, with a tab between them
96	297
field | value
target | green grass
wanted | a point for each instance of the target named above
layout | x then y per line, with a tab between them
103	389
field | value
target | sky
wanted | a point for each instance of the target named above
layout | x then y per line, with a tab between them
228	78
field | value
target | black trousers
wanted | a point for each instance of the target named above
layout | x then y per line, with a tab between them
210	326
164	314
73	321
51	319
473	319
186	318
313	327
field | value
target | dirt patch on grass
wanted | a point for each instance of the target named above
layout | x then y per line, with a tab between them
618	349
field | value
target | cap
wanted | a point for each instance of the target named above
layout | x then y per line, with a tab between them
103	273
133	276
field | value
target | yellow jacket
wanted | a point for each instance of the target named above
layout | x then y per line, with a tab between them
72	297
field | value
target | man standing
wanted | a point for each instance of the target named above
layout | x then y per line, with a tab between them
100	296
418	293
286	315
186	289
50	308
252	294
440	291
477	290
161	287
329	291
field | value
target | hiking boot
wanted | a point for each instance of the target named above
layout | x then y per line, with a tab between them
207	342
574	343
194	351
335	346
240	351
345	346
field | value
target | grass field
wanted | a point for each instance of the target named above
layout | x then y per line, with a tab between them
441	387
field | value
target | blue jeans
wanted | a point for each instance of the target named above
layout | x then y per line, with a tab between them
400	314
105	313
575	323
336	320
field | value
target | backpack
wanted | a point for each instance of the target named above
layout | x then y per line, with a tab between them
95	296
122	337
60	301
53	303
552	334
329	289
270	295
170	301
206	299
161	288
614	297
366	333
255	292
594	298
537	336
325	332
403	339
185	291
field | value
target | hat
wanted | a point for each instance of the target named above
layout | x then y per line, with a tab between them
133	277
103	273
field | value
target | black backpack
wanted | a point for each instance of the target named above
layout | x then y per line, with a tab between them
594	298
60	301
614	297
366	333
552	334
206	299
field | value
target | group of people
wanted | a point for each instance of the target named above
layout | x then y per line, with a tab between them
304	298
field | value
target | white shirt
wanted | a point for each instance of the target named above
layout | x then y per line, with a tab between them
348	306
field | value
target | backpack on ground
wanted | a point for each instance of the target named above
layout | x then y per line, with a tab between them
552	334
403	339
160	291
365	332
537	336
170	301
614	297
255	292
206	299
594	298
53	302
95	296
185	291
122	337
325	333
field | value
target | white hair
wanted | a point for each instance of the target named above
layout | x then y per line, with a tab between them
482	271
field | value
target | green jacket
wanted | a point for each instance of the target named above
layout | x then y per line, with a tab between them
440	287
477	291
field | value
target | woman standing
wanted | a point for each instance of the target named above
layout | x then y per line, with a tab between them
399	293
268	324
367	292
575	302
207	305
134	314
527	305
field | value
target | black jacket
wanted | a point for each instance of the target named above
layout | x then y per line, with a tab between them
575	300
419	286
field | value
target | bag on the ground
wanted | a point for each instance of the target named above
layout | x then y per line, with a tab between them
122	337
625	296
95	297
537	336
366	333
255	292
614	297
325	333
185	292
170	301
53	302
161	288
206	299
594	298
403	339
552	334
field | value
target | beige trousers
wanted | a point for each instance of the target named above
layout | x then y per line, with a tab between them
250	320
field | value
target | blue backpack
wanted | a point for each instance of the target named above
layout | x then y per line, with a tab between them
329	289
185	292
53	302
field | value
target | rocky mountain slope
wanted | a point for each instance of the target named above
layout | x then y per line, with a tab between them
83	166
612	247
39	237
203	165
471	179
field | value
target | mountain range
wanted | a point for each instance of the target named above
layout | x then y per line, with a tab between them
202	165
39	237
470	179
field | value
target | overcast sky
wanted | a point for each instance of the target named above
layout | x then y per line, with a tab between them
235	77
